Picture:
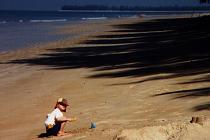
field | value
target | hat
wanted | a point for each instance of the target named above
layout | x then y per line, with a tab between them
63	101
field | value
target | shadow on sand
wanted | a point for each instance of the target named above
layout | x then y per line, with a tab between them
176	47
44	135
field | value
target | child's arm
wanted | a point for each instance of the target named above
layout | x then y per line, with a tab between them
64	119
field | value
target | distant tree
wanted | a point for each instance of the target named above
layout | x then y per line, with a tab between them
204	1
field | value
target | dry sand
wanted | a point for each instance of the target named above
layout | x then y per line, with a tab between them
123	105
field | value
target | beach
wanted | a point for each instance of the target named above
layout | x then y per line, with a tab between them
130	76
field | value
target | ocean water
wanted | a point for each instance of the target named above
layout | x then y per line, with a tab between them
20	29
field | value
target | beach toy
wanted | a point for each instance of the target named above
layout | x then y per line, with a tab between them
92	125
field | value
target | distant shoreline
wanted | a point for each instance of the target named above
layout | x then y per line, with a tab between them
134	8
149	11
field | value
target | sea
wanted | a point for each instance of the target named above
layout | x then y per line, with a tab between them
21	29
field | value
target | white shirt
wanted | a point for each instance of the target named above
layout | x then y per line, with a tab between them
56	113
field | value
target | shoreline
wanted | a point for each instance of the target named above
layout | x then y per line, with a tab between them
108	77
58	29
79	34
63	36
69	23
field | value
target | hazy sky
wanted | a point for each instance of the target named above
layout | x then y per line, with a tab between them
56	4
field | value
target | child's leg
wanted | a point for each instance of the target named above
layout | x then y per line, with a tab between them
61	132
63	124
54	130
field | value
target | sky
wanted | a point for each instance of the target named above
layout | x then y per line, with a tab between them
57	4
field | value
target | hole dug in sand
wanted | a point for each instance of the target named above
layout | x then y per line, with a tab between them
174	131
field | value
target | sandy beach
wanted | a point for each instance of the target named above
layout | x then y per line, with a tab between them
136	78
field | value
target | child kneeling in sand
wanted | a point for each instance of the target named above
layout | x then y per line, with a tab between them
56	121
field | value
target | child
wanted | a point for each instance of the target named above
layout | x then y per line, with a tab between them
56	121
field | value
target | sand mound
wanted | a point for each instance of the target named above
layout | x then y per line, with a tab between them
169	132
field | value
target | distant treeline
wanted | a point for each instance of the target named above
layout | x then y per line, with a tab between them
131	8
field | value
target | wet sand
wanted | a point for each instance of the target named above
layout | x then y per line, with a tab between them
129	75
